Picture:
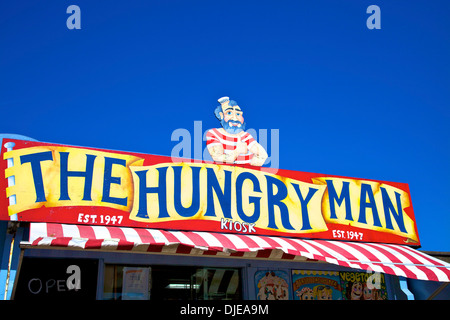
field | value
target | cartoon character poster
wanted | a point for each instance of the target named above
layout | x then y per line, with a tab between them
363	286
316	285
272	285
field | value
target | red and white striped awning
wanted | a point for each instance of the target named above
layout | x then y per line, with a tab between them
387	258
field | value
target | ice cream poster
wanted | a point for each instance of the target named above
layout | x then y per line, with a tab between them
272	285
316	285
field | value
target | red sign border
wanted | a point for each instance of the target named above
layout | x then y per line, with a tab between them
72	214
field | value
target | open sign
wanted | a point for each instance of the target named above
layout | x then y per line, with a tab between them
47	278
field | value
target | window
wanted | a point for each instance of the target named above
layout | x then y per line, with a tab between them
171	283
126	282
57	279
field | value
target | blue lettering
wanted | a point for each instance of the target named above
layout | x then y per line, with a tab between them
252	199
195	205
345	195
160	190
275	200
65	174
108	180
389	207
306	225
366	191
35	162
224	196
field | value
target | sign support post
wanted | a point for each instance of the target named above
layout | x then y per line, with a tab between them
10	254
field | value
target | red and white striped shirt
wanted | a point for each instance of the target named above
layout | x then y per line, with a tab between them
229	142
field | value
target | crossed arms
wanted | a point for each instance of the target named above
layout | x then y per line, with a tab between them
259	153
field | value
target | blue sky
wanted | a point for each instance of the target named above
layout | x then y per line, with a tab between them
346	100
